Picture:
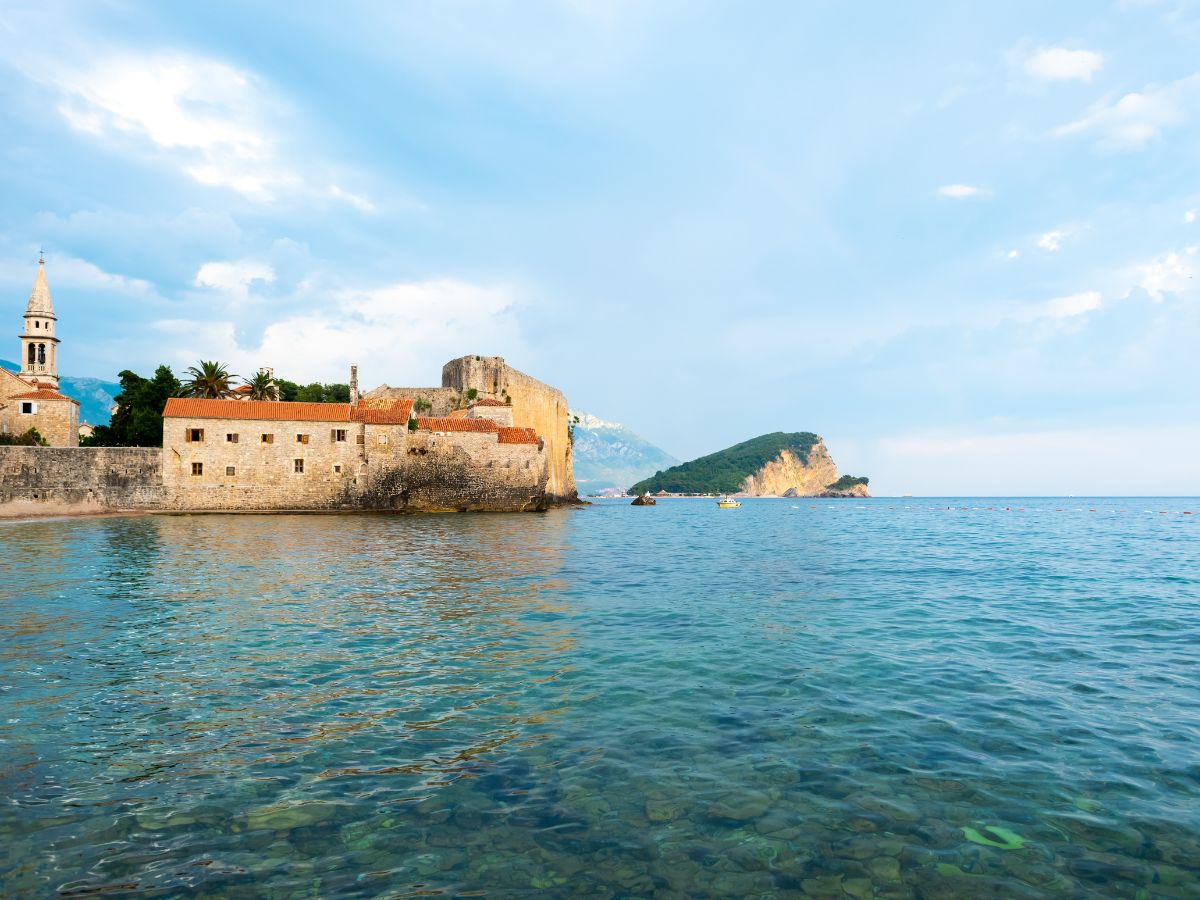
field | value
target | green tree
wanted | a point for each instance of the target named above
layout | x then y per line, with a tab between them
137	420
262	387
210	380
30	438
313	393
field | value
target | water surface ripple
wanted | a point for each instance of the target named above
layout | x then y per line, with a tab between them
890	698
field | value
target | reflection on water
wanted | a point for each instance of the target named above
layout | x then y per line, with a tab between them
840	700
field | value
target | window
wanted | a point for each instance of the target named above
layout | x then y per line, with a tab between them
32	354
268	439
28	407
230	470
197	468
362	439
338	435
195	435
299	467
231	438
37	324
337	469
302	439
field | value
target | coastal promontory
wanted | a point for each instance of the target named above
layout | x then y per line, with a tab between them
780	464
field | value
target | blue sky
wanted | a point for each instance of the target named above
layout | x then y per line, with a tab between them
957	240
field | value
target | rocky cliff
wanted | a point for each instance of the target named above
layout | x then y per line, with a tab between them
788	474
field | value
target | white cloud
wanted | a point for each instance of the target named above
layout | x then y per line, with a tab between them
1071	305
1168	273
401	333
1061	64
355	200
961	191
1138	118
1189	217
1013	254
234	277
1051	240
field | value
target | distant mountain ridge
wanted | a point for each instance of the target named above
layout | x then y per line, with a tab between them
608	456
776	464
96	397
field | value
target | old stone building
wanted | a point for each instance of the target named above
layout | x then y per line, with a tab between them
250	454
30	398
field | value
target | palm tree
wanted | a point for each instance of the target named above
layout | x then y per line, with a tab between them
210	380
262	386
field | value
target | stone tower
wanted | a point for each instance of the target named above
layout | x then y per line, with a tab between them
39	346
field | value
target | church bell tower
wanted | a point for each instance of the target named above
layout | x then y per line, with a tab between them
39	346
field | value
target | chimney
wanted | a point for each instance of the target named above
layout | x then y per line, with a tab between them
353	385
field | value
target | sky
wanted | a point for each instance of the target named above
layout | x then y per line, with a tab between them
957	240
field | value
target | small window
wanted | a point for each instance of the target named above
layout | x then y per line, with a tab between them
197	468
195	435
230	470
362	439
268	438
28	407
299	467
231	438
302	439
37	324
338	435
337	469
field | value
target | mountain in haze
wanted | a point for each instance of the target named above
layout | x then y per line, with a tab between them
609	456
780	464
95	396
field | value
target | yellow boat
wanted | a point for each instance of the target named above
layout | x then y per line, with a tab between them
728	503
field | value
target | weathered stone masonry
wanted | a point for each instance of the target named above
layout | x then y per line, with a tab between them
73	480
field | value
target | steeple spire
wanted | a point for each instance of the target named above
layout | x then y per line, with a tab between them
40	303
39	346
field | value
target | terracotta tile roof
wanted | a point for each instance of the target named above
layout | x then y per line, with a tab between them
384	412
242	389
445	423
457	414
489	401
42	394
518	436
277	410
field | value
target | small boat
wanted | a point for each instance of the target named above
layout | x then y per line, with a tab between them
728	503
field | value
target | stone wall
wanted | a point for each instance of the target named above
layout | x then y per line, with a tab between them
534	405
74	480
457	472
56	420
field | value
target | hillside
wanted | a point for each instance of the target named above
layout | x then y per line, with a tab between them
95	396
726	471
609	456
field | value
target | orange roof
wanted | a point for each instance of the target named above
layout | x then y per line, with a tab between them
489	401
445	423
277	410
387	412
518	436
42	394
242	389
457	414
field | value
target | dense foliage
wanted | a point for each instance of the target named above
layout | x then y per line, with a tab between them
848	481
137	421
312	393
723	472
30	438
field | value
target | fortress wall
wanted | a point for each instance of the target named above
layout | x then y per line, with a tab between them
442	400
458	472
74	480
534	405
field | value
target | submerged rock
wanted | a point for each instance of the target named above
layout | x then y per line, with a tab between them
643	500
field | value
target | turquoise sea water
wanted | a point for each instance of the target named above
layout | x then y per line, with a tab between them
893	698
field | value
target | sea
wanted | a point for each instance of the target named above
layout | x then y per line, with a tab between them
942	697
